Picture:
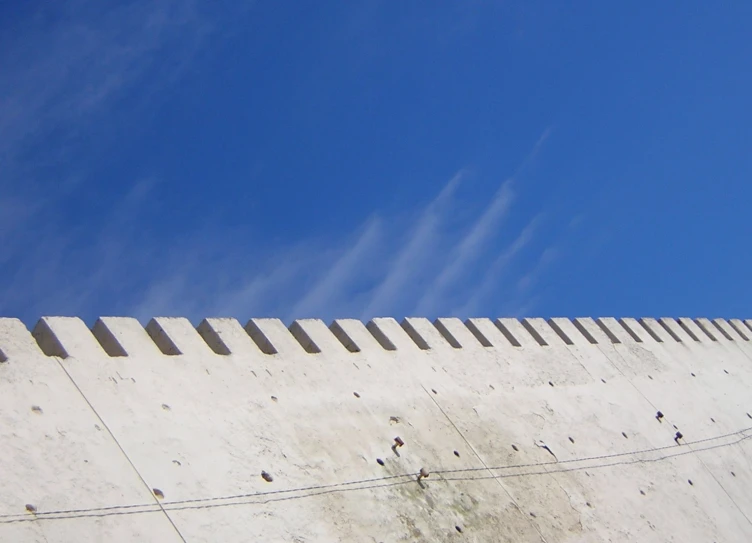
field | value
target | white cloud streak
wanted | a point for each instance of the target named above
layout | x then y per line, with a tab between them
59	81
330	289
473	245
546	258
497	270
66	67
378	271
413	254
468	250
523	298
57	74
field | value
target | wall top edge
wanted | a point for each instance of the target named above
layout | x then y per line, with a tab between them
176	336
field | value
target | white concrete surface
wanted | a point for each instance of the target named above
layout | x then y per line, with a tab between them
530	431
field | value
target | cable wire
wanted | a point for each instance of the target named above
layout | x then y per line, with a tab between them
316	490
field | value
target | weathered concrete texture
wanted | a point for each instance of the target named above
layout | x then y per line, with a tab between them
555	431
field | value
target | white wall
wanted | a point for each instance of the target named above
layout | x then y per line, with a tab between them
92	421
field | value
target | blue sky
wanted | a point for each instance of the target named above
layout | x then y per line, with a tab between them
359	159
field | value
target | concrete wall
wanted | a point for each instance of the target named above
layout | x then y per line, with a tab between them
528	431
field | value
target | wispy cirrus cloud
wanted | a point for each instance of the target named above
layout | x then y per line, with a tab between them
64	69
393	265
474	245
336	284
497	272
409	259
67	66
467	251
546	258
73	62
69	60
387	267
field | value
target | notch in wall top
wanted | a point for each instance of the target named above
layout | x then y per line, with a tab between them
528	333
654	330
591	331
667	330
568	332
722	326
255	330
107	339
328	341
740	328
545	332
608	330
47	340
316	337
354	335
223	335
411	326
554	324
440	334
702	328
674	329
380	337
259	338
227	336
163	341
501	333
176	335
692	330
748	324
273	337
390	334
65	337
635	330
299	333
16	341
615	332
658	330
472	326
363	336
124	336
506	327
457	334
539	339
